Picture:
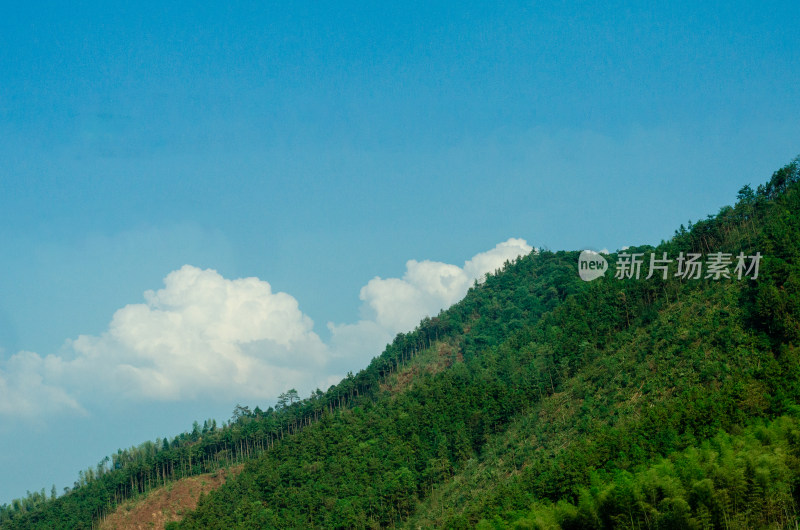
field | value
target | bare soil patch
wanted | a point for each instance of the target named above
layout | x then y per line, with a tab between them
167	503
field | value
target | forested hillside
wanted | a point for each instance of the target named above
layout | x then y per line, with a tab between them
538	401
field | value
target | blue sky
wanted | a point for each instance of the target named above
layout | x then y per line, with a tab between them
316	149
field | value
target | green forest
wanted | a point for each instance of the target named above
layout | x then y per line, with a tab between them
538	401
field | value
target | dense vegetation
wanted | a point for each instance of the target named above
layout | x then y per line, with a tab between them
538	401
731	481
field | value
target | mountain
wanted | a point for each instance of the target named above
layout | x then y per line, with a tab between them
538	401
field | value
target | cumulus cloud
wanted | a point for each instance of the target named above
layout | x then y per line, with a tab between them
203	335
394	305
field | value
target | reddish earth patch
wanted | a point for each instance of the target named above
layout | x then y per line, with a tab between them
167	503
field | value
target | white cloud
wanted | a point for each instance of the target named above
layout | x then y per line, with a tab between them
203	335
492	260
394	305
428	286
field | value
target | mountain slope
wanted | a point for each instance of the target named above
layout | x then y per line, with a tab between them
539	400
138	470
610	378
